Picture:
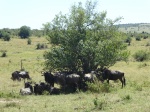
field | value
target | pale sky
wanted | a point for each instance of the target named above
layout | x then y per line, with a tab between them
33	13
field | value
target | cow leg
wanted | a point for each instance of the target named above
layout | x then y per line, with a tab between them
121	82
124	80
52	84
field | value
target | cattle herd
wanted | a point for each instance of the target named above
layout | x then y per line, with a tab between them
69	82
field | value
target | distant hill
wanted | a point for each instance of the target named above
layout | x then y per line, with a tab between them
135	27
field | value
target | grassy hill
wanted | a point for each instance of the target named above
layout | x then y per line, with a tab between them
136	27
135	97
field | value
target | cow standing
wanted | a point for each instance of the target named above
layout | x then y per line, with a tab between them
64	79
114	75
17	75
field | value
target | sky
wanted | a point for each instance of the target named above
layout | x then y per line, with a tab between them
34	13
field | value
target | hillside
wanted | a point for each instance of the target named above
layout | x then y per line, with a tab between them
135	27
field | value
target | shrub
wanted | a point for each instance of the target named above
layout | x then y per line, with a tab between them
148	43
98	87
99	104
141	55
24	32
128	40
145	37
6	37
41	46
138	38
29	41
3	53
126	97
105	87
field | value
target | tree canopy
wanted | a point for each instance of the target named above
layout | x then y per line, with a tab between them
24	32
84	40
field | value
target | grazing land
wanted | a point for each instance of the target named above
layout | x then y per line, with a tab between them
137	27
135	97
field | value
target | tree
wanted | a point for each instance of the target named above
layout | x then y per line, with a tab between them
24	32
4	35
84	40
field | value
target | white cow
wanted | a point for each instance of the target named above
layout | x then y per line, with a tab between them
25	91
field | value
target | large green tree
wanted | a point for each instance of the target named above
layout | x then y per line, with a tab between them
84	40
24	32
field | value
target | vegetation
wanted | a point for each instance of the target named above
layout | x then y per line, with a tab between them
4	35
3	53
29	41
110	98
41	46
101	97
84	40
142	55
25	32
128	40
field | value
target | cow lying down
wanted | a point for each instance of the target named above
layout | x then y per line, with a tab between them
25	91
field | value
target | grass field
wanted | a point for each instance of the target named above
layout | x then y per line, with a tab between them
135	97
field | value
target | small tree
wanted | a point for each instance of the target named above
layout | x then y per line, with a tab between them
6	37
128	40
24	32
84	40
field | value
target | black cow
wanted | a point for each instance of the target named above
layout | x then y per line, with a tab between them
54	91
28	85
64	79
60	78
40	88
114	75
24	75
73	81
49	78
15	76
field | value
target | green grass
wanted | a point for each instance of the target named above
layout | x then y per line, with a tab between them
135	97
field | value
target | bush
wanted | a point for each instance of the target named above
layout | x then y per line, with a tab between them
148	43
3	53
138	38
41	46
98	87
141	55
29	41
126	97
24	32
99	104
6	37
128	40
